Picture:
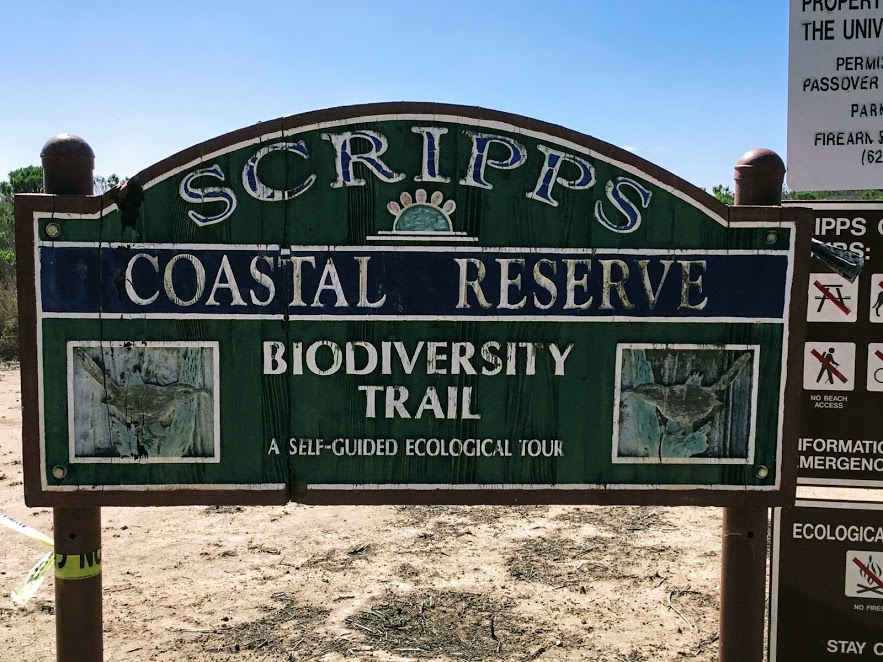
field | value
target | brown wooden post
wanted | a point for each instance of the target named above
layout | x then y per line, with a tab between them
68	165
759	176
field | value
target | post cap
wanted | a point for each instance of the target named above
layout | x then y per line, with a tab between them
762	158
759	175
67	145
68	164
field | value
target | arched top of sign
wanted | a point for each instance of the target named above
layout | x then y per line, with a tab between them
413	173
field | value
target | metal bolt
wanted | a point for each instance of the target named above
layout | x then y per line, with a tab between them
53	230
772	237
59	471
762	472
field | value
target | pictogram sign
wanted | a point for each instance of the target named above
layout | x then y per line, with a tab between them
835	416
864	574
876	310
829	366
827	582
831	298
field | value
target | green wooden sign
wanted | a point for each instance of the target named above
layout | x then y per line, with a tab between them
406	302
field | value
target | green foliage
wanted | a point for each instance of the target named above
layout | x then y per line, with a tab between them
7	232
8	303
23	180
867	194
27	180
723	193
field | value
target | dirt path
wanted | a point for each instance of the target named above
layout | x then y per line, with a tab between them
378	583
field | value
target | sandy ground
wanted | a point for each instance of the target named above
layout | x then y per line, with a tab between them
377	583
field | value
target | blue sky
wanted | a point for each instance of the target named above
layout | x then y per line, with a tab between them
688	84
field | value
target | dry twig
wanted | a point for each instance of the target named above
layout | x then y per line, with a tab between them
675	610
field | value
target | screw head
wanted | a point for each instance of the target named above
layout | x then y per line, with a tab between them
59	472
762	472
772	237
53	230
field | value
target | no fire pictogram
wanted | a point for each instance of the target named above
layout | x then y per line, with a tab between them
829	366
877	298
864	574
832	298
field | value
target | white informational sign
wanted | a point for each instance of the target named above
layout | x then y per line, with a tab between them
835	95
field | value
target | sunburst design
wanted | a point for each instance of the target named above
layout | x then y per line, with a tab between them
417	214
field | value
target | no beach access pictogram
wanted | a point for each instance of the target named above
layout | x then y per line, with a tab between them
864	574
832	298
828	366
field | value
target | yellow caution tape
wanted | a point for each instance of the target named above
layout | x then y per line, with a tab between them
36	574
33	580
24	529
78	566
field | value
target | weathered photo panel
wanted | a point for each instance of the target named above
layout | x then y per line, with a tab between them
686	403
143	401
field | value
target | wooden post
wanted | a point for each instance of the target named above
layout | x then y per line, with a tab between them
759	176
68	165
